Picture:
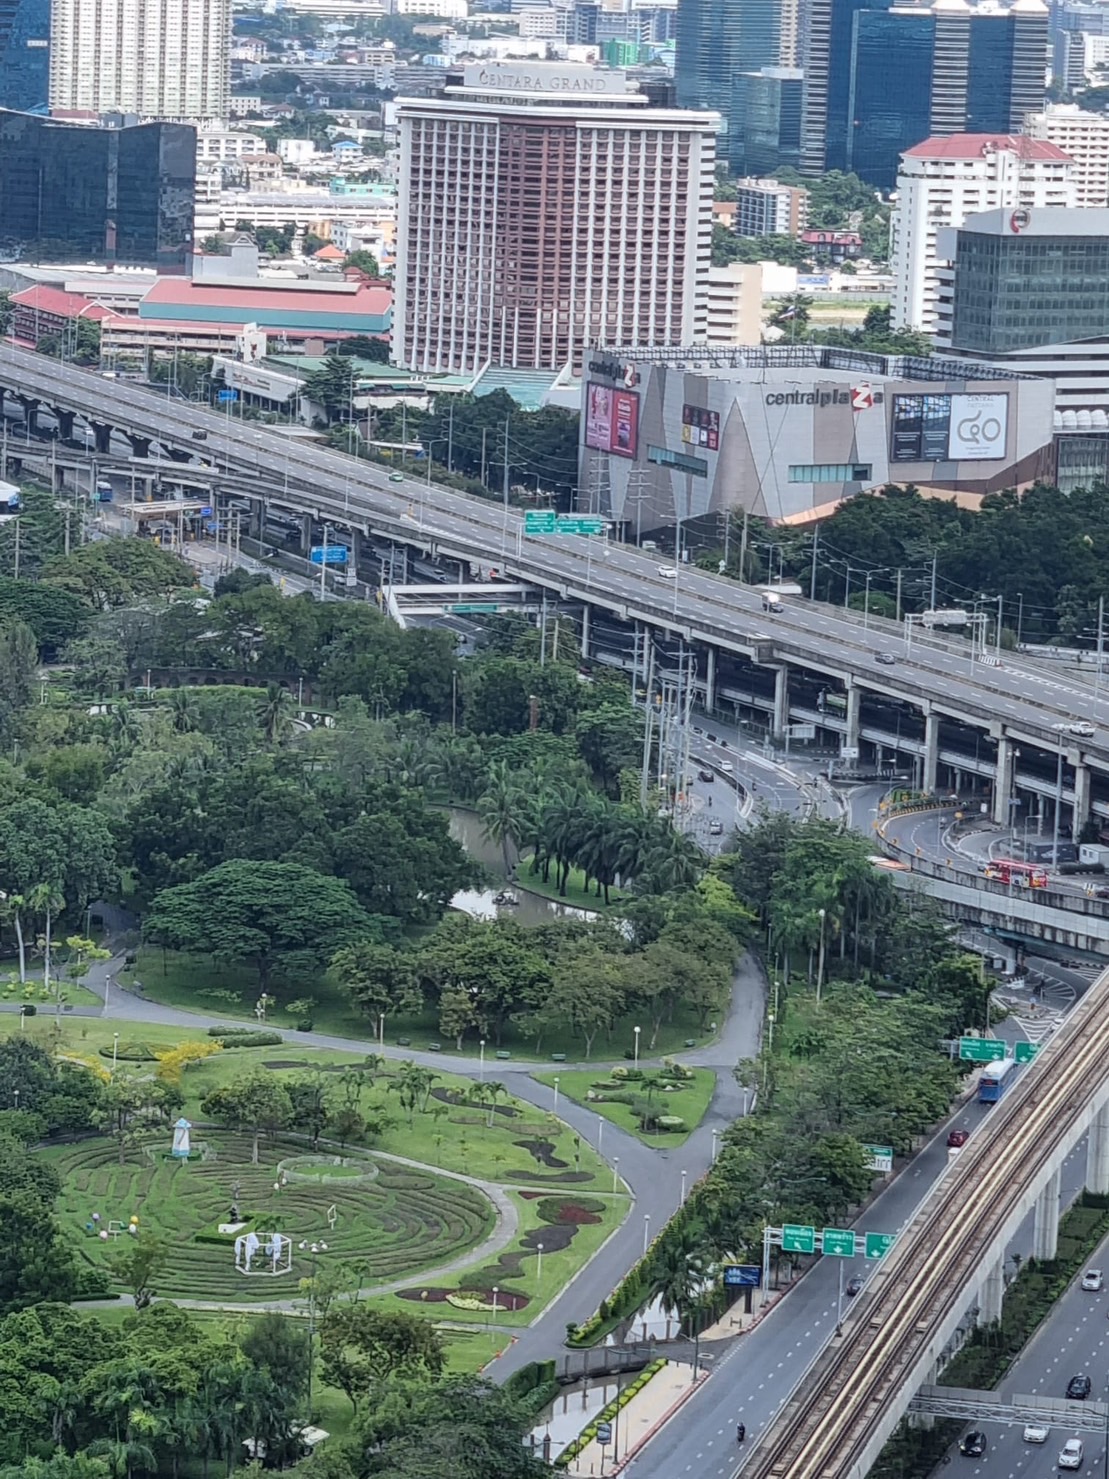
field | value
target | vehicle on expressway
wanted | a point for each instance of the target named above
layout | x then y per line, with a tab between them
103	490
668	572
957	1139
972	1445
1071	1454
1093	1280
771	601
1078	1388
11	500
1023	875
853	1286
1036	1432
996	1078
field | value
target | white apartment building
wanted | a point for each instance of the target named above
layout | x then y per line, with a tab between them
944	180
448	10
768	208
735	304
225	145
158	58
546	210
1085	138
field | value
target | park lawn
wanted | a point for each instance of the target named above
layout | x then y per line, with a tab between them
690	1099
559	1266
577	895
181	980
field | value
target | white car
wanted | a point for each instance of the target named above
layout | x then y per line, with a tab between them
726	766
670	572
1080	727
1093	1280
1071	1455
1035	1433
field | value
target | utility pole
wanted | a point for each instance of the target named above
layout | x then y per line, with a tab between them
743	546
935	557
450	437
504	490
815	547
648	718
1100	647
898	616
483	467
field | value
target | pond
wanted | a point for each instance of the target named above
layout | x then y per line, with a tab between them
482	903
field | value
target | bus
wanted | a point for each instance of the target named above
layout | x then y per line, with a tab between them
11	500
1024	875
996	1078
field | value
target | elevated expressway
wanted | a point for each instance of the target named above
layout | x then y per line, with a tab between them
859	1386
1011	706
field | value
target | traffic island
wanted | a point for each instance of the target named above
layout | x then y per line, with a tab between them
613	1438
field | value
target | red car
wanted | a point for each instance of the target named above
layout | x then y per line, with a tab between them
957	1138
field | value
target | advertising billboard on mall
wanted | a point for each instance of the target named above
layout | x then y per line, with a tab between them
612	420
949	428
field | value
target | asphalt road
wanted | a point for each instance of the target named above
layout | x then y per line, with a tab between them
1021	691
1073	1341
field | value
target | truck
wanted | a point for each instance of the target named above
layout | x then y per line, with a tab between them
11	499
772	602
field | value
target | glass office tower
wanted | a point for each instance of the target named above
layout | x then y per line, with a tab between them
73	193
24	54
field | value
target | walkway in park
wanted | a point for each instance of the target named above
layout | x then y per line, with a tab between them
653	1176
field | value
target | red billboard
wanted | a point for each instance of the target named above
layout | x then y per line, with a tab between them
611	420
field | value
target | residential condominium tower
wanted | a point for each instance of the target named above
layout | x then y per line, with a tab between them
544	210
153	58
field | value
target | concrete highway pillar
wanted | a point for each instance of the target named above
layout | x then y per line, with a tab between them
65	420
991	1294
854	696
1097	1154
1045	1227
781	700
30	410
1003	783
140	445
931	751
710	679
1081	799
306	534
586	612
102	434
256	518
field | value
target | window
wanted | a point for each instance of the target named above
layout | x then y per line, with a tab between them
665	458
830	472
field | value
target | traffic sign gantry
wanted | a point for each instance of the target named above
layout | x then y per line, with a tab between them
798	1239
838	1242
540	521
1026	1051
879	1244
580	526
981	1049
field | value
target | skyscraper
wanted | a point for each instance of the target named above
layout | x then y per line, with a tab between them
78	193
717	40
545	210
24	53
159	58
879	78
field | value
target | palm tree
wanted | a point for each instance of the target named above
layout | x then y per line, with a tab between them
11	911
182	709
123	1456
46	899
276	713
124	727
500	811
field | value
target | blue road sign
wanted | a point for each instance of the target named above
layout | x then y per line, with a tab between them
329	554
227	395
205	513
742	1275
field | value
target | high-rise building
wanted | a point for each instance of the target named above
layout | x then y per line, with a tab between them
717	40
79	193
767	208
943	181
545	210
159	59
1084	137
880	78
24	54
765	126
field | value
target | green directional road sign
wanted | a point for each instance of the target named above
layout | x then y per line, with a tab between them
540	521
580	526
1026	1051
836	1241
879	1244
798	1239
473	608
981	1049
880	1157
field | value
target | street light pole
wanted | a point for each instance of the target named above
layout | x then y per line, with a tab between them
646	1231
636	1030
556	1091
820	962
839	1300
481	1061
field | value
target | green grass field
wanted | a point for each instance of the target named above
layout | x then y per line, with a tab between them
689	1098
221	992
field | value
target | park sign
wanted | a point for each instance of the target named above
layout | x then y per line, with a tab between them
742	1276
981	1049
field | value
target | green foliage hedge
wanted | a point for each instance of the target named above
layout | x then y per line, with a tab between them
245	1037
131	1052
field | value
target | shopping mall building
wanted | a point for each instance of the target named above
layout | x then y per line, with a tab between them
788	431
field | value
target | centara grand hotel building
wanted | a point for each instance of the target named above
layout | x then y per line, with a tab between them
788	431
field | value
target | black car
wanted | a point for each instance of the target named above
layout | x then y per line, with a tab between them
1078	1388
972	1445
200	436
852	1287
705	775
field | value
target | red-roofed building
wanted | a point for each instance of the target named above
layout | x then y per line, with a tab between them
942	181
42	311
331	309
833	246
